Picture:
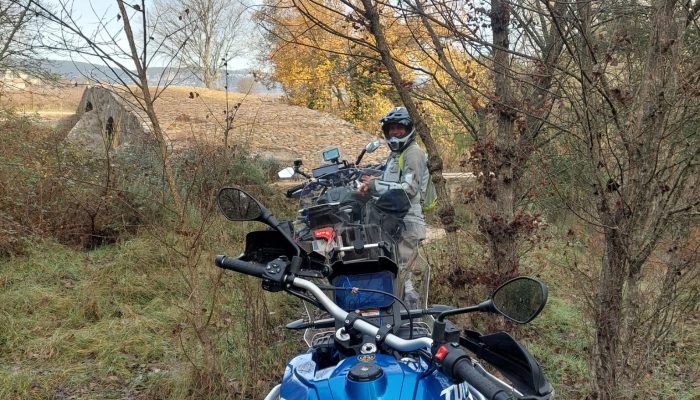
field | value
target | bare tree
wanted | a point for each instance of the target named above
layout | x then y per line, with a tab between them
631	93
504	113
217	34
127	57
626	72
127	61
19	45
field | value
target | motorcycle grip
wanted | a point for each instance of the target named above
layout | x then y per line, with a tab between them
465	371
244	267
290	192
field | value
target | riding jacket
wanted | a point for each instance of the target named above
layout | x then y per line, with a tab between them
413	179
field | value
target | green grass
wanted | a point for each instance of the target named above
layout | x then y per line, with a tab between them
559	340
110	323
75	320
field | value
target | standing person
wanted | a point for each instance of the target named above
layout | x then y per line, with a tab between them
407	169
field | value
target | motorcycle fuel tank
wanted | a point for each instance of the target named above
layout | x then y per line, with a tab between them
368	376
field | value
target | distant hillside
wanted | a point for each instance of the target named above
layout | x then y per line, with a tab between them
238	80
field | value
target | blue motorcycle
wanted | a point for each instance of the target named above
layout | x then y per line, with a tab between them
376	348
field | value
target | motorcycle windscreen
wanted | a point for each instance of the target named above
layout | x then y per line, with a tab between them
351	300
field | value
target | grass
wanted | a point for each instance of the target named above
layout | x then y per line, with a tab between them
43	98
80	323
67	98
561	337
560	340
109	323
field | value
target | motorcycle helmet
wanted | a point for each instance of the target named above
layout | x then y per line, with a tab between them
398	115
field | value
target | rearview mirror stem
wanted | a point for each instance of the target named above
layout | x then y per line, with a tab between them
484	306
281	227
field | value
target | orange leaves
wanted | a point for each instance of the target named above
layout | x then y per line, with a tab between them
305	58
321	53
324	56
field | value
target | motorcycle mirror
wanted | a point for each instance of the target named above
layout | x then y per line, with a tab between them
237	205
286	173
520	299
372	146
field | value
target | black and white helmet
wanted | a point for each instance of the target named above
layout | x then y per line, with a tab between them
398	115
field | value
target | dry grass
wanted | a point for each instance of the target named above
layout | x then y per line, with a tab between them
67	97
111	322
63	99
189	115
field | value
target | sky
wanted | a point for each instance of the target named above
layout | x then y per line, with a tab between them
89	13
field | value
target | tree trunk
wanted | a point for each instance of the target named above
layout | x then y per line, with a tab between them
435	166
150	111
165	157
501	232
634	214
608	317
207	79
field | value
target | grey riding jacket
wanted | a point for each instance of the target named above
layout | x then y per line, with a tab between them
413	179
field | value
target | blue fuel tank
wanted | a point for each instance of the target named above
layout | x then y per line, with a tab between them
368	376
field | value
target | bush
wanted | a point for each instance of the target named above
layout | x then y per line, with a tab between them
54	189
51	188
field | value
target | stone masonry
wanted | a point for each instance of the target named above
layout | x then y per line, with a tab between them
105	119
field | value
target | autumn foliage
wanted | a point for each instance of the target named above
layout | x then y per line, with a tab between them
341	73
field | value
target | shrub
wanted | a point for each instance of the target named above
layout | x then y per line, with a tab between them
51	188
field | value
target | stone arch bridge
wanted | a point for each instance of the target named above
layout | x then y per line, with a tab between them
105	120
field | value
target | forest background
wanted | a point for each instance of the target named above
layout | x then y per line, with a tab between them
578	119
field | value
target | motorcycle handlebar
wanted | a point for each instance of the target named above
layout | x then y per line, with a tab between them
290	192
456	362
329	322
465	372
365	327
244	267
258	270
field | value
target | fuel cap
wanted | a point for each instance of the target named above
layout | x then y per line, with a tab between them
365	372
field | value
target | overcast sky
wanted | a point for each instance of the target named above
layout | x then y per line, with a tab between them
90	14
